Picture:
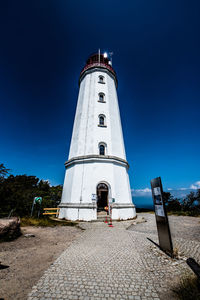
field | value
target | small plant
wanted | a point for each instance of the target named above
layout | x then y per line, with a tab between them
175	253
188	288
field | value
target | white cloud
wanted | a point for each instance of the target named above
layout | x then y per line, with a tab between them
183	191
195	186
178	192
141	192
146	190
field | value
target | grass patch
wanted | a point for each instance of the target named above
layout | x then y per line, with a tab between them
192	213
183	213
147	210
45	222
189	288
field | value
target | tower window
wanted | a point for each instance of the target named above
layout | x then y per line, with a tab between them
101	97
101	79
102	121
102	149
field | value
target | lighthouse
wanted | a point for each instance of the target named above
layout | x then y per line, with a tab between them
97	170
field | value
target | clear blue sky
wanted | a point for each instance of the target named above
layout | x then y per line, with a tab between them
156	45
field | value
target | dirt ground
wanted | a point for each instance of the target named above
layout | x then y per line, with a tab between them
29	257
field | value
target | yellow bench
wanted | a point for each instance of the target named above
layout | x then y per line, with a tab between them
51	213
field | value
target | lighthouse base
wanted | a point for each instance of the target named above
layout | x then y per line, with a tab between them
123	211
88	211
78	211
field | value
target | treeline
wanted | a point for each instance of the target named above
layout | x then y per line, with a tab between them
190	205
17	194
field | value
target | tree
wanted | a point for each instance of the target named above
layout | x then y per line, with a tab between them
17	194
198	197
173	204
3	172
188	201
191	203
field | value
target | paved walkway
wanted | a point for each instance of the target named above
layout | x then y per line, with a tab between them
108	263
185	233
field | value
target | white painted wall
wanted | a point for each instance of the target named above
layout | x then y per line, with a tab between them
86	133
82	178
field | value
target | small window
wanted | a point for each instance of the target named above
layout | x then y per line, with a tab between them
101	97
101	79
102	148
102	121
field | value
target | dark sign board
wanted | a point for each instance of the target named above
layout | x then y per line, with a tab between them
162	223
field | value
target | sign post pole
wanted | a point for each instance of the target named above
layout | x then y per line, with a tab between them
36	200
32	207
110	212
162	222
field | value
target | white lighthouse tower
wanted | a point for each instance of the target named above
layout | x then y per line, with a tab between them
97	169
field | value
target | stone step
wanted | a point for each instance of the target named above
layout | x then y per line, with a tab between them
101	218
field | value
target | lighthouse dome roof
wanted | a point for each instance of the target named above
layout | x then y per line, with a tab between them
98	60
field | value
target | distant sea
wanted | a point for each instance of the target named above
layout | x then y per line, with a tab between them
142	202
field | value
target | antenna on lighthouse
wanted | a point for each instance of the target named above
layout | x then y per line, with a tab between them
99	56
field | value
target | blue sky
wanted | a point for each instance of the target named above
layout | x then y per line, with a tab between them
156	45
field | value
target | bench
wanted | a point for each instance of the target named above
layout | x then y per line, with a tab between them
50	211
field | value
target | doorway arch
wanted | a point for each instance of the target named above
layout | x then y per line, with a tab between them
102	196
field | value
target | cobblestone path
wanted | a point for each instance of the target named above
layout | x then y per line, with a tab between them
109	263
185	233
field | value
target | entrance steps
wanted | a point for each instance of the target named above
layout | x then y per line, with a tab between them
101	217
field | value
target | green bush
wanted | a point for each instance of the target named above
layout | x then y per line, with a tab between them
17	194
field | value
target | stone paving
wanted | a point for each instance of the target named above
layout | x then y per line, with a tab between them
185	233
108	263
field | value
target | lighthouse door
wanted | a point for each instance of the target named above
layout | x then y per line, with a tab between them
102	196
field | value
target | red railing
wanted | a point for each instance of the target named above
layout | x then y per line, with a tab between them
98	65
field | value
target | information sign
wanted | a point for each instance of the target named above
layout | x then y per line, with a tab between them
38	200
94	197
94	200
162	223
